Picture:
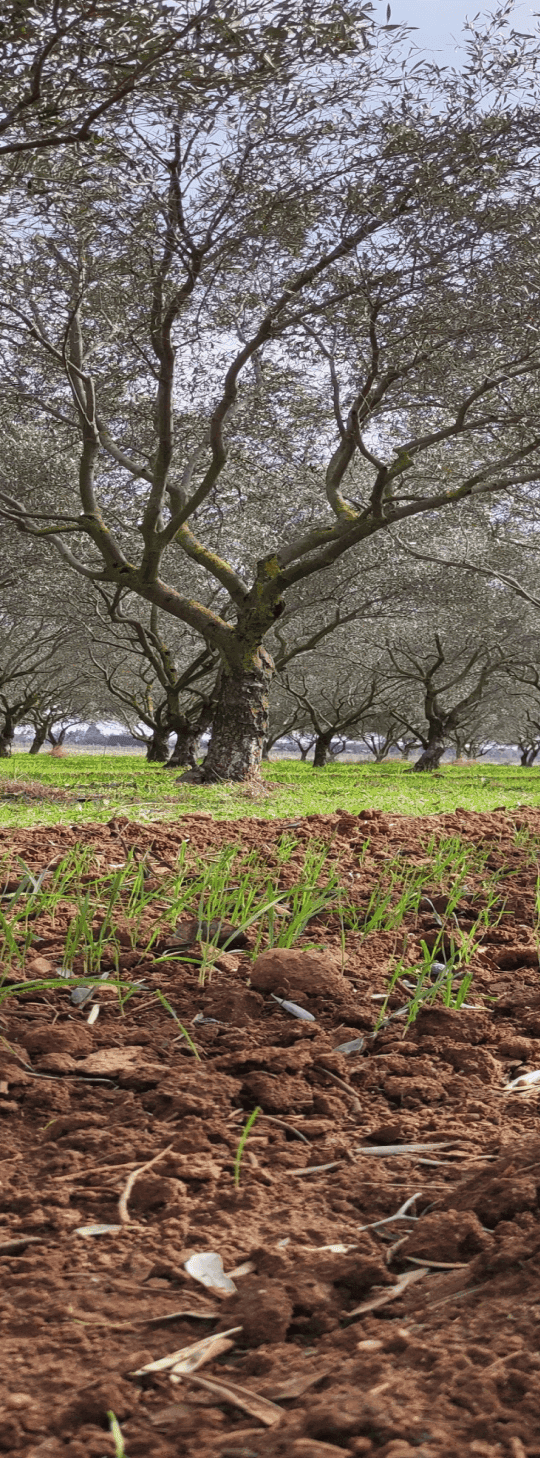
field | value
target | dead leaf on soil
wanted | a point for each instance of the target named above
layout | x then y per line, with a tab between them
98	1230
260	1407
398	1148
525	1080
207	1315
314	1168
294	1009
187	1359
437	1265
335	1249
9	1247
302	1382
354	1046
390	1295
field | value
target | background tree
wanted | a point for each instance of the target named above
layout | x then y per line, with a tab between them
449	682
167	686
335	706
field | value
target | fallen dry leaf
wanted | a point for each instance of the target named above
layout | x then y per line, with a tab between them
187	1359
391	1294
260	1407
301	1382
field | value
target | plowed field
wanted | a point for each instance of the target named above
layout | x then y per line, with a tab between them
353	1330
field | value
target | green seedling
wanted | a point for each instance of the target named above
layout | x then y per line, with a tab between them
285	848
116	1434
448	985
166	1004
241	1145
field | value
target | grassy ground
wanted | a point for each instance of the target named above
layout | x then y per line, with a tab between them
99	786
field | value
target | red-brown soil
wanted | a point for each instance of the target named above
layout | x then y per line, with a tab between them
451	1364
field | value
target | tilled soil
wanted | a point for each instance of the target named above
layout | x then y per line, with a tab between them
350	1354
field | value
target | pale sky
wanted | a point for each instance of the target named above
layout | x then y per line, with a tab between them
440	22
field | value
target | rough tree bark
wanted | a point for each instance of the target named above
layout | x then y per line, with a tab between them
432	754
157	751
322	750
38	741
6	740
185	750
528	755
240	724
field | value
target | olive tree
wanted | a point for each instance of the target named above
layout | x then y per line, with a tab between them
31	649
319	284
333	709
165	685
447	684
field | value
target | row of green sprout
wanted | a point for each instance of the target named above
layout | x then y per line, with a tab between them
241	889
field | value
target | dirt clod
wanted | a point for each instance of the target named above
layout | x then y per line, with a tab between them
287	970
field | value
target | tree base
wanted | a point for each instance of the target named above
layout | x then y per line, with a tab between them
425	765
193	776
240	724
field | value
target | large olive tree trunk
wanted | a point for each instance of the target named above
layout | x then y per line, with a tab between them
432	755
528	754
240	723
157	748
38	741
6	740
185	750
322	750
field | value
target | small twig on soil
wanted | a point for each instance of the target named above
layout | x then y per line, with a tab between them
391	1294
393	1248
282	1125
438	1265
456	1296
400	1214
260	1407
96	1169
264	1173
124	1197
315	1168
205	1350
10	1247
318	1068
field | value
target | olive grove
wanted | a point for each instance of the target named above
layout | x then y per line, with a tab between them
275	313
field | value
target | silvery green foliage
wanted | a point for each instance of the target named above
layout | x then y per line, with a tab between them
68	69
272	314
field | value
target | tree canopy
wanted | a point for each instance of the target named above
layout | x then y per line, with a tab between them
278	306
